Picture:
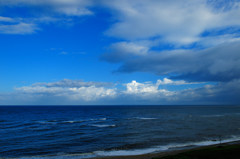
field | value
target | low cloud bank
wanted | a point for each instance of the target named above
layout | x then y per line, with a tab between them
134	93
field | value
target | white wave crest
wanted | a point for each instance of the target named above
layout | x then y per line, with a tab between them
73	121
162	148
97	119
142	118
103	126
209	116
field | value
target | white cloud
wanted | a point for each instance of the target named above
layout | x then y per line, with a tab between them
136	88
180	22
211	41
21	28
135	93
175	21
90	93
167	81
145	93
20	25
6	19
52	11
70	89
67	7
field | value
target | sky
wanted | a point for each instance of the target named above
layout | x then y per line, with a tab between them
119	52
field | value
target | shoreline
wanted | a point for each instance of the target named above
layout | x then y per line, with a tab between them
165	153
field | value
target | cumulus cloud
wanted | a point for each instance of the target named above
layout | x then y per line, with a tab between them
135	93
135	87
147	87
222	93
69	89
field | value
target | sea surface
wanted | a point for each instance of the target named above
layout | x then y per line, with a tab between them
71	132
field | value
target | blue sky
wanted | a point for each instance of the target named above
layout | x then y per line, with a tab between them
83	52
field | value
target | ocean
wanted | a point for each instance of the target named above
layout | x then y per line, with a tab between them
71	132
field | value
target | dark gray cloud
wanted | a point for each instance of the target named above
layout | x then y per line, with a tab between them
219	63
122	51
74	83
222	93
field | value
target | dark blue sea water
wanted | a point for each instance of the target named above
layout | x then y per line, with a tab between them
66	132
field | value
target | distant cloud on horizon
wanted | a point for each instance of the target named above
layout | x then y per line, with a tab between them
70	92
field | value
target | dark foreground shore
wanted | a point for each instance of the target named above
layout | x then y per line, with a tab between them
229	150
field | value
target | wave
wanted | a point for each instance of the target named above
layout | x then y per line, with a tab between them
163	148
40	128
220	115
69	121
46	122
123	152
209	116
58	156
114	152
103	126
142	118
17	126
148	118
97	119
73	121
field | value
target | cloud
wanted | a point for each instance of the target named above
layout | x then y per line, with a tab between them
180	22
219	63
222	93
135	88
83	93
145	93
190	40
123	50
135	93
19	25
69	89
167	81
21	28
66	7
74	83
6	19
175	21
215	40
40	12
146	87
